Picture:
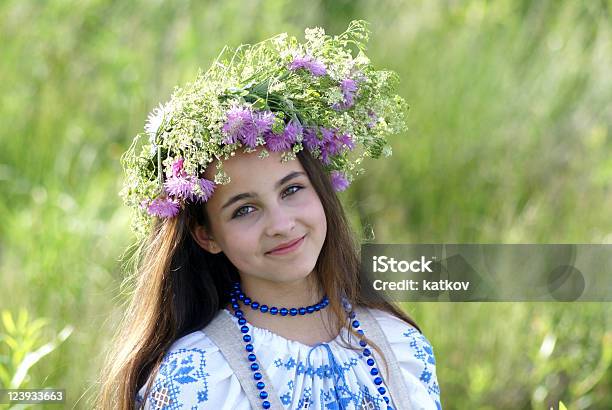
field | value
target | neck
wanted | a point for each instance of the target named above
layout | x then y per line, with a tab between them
299	293
308	329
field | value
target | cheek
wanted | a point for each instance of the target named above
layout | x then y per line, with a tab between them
239	247
317	215
239	242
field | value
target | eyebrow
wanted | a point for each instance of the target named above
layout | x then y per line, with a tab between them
244	195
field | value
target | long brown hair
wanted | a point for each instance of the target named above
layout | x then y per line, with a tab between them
179	288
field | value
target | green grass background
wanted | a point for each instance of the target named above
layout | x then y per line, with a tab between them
509	141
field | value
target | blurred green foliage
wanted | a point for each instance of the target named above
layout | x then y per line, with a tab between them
21	349
509	142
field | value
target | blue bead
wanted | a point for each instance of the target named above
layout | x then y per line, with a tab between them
246	338
263	394
310	309
273	310
363	343
302	311
382	390
293	311
266	404
263	308
254	367
389	408
244	329
373	371
386	399
355	323
255	305
260	385
360	331
238	313
366	352
257	376
317	307
241	321
370	362
377	381
233	300
235	306
241	296
252	357
284	312
247	301
352	315
249	347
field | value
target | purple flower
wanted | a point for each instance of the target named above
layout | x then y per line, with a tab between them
207	189
177	168
308	62
333	144
310	138
327	144
277	142
282	142
347	141
348	88
240	126
292	131
264	121
163	208
373	118
245	126
339	181
179	187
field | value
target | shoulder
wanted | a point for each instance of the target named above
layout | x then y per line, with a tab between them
193	374
415	355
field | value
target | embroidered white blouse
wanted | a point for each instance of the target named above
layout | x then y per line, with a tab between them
195	375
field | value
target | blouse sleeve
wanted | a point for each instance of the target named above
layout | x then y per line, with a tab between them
416	359
194	375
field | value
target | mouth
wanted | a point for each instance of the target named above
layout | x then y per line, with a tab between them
288	248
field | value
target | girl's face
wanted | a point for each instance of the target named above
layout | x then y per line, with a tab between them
267	204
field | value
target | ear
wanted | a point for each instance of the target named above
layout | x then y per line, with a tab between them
205	240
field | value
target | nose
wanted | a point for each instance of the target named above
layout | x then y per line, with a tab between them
280	221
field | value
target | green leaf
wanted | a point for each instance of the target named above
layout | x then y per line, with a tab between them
259	104
7	321
11	342
22	320
5	378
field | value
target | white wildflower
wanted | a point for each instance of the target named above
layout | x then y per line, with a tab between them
154	121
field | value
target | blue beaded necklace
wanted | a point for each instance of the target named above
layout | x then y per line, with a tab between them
237	295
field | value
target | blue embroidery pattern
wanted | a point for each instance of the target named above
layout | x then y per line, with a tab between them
336	397
181	373
322	372
423	352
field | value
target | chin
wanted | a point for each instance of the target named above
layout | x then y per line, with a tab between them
297	272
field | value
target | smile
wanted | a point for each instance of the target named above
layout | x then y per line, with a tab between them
288	249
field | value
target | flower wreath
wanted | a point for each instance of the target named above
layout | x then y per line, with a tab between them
279	94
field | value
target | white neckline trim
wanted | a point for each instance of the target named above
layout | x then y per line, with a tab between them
282	338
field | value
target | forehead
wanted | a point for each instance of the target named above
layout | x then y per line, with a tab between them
248	172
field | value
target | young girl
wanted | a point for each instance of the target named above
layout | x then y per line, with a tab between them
247	290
